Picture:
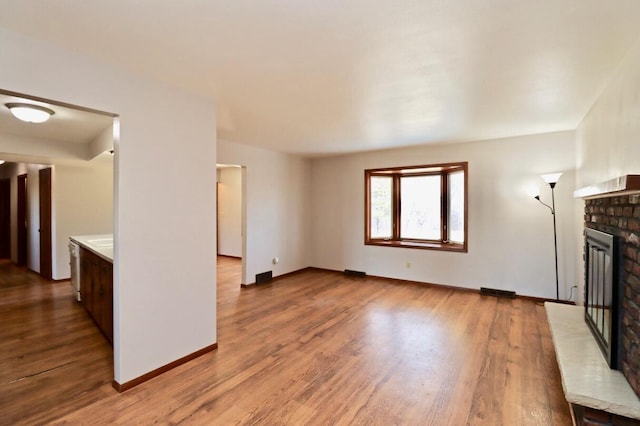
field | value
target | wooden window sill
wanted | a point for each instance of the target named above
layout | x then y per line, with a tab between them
461	248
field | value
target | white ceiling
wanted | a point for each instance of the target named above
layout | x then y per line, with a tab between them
339	76
64	139
66	125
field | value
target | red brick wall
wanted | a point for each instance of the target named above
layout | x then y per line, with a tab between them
620	216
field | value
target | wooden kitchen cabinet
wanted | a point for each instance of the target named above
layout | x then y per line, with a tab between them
106	280
96	290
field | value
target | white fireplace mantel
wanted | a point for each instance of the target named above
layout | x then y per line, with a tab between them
623	185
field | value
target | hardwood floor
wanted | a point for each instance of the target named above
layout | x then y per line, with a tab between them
313	348
52	357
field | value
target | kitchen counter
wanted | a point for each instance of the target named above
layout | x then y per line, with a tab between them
95	284
100	244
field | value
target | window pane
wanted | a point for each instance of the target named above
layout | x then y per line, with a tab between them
381	202
456	207
420	207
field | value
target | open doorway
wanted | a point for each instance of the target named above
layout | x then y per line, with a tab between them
230	201
68	163
59	176
66	167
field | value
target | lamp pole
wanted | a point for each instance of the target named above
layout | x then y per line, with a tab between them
552	179
555	237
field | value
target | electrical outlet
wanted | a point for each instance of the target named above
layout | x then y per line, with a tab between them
275	261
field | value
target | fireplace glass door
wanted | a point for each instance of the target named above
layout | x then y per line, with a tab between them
601	293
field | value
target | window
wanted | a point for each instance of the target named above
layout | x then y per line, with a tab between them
419	206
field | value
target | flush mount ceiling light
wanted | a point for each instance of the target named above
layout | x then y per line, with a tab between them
29	112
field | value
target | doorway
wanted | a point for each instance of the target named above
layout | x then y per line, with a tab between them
51	186
54	207
230	213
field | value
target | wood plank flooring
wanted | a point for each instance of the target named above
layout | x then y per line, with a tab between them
314	348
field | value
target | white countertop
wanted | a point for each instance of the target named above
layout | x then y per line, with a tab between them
100	244
586	378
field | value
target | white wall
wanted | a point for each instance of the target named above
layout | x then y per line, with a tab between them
164	271
230	211
277	188
83	204
608	139
510	234
103	142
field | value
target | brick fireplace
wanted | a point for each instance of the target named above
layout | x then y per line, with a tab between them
619	215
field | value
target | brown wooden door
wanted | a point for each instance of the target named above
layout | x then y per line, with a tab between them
22	221
5	218
45	223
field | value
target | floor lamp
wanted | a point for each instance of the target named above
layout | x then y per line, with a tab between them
552	179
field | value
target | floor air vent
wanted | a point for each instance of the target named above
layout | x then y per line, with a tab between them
351	273
264	277
498	293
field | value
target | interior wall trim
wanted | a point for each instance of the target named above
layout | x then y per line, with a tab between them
279	277
450	287
122	387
